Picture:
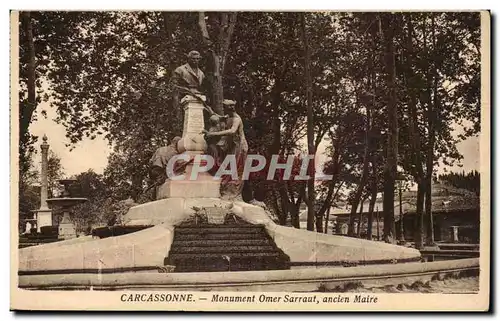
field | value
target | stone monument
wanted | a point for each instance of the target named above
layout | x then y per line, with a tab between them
44	214
180	201
66	201
187	80
191	144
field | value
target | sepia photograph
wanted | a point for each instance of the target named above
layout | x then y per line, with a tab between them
250	160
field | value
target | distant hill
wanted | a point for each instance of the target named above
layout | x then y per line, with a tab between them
446	197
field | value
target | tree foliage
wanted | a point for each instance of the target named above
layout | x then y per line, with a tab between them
469	181
386	90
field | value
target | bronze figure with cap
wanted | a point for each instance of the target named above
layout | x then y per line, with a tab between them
232	142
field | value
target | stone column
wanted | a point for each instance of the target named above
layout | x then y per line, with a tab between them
44	214
44	192
192	144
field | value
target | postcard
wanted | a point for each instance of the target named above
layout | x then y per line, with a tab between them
250	161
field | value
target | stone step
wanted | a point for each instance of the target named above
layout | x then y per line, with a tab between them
225	236
225	225
219	230
225	242
237	262
219	255
223	249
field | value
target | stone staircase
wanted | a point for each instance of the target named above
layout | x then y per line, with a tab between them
234	245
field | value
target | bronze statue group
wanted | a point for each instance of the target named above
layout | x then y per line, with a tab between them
224	135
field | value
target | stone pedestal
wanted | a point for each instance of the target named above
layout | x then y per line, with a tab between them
192	144
455	233
194	123
43	218
66	228
204	187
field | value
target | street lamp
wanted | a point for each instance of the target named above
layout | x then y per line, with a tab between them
400	179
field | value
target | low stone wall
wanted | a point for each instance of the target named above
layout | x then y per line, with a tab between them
144	248
306	246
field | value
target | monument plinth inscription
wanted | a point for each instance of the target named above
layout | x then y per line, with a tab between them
216	215
192	139
192	144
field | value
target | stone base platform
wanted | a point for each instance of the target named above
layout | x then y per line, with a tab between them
148	248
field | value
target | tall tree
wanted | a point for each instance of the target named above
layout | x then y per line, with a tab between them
416	168
98	208
27	93
431	118
387	24
310	134
441	94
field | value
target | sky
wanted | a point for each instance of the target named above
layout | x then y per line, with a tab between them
87	154
93	154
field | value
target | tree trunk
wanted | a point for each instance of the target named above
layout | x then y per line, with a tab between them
432	109
327	218
415	140
136	188
217	88
330	205
360	219
219	50
420	234
364	174
31	65
283	202
295	206
274	203
294	214
26	110
352	218
386	25
331	185
373	155
378	225
371	206
276	121
310	133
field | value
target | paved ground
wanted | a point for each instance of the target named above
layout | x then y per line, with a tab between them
462	285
